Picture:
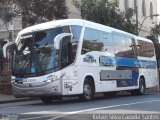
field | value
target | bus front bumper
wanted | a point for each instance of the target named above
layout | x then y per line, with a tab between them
37	89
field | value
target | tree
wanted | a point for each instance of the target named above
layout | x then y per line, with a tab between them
155	32
107	13
37	11
32	11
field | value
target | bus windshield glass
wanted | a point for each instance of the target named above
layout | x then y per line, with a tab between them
36	53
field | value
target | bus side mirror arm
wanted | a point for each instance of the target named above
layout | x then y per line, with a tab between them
5	47
58	39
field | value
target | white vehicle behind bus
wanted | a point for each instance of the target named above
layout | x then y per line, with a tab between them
77	57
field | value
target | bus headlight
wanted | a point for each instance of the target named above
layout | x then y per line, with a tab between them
53	78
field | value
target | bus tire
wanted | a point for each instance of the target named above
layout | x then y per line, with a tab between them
141	89
88	91
46	100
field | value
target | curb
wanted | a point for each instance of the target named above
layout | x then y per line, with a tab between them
17	100
152	90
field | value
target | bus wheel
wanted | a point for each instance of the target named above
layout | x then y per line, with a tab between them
46	100
88	91
141	89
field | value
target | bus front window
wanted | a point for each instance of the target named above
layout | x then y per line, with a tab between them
37	56
36	53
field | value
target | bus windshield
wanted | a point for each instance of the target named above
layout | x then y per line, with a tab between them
36	53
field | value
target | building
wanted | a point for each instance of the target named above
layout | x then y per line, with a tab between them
145	11
14	27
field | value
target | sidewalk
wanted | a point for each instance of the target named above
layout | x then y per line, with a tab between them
11	99
152	90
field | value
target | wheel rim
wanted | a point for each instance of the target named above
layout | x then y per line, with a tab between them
87	91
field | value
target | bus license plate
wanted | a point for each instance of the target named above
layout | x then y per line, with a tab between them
30	81
31	92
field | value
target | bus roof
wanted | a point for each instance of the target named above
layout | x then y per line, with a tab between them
80	22
144	39
57	23
52	24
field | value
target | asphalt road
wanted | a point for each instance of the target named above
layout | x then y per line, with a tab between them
119	107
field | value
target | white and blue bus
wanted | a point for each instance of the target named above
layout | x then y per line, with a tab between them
77	57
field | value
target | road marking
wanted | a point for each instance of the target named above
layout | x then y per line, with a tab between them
106	107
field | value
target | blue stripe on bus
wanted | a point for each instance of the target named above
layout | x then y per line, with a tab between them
129	82
126	62
132	64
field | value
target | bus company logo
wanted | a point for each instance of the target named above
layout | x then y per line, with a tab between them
106	61
89	59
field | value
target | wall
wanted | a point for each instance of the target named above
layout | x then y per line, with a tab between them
73	11
148	23
15	26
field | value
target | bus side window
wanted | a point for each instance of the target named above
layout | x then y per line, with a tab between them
76	31
106	39
91	41
123	46
119	45
146	49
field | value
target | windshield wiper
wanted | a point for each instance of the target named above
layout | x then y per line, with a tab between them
21	69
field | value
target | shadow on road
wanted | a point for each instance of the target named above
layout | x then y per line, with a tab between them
98	97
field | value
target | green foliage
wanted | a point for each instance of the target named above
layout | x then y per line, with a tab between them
106	12
155	32
114	2
6	11
33	11
37	11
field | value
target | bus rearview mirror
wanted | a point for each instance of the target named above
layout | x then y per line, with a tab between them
58	39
